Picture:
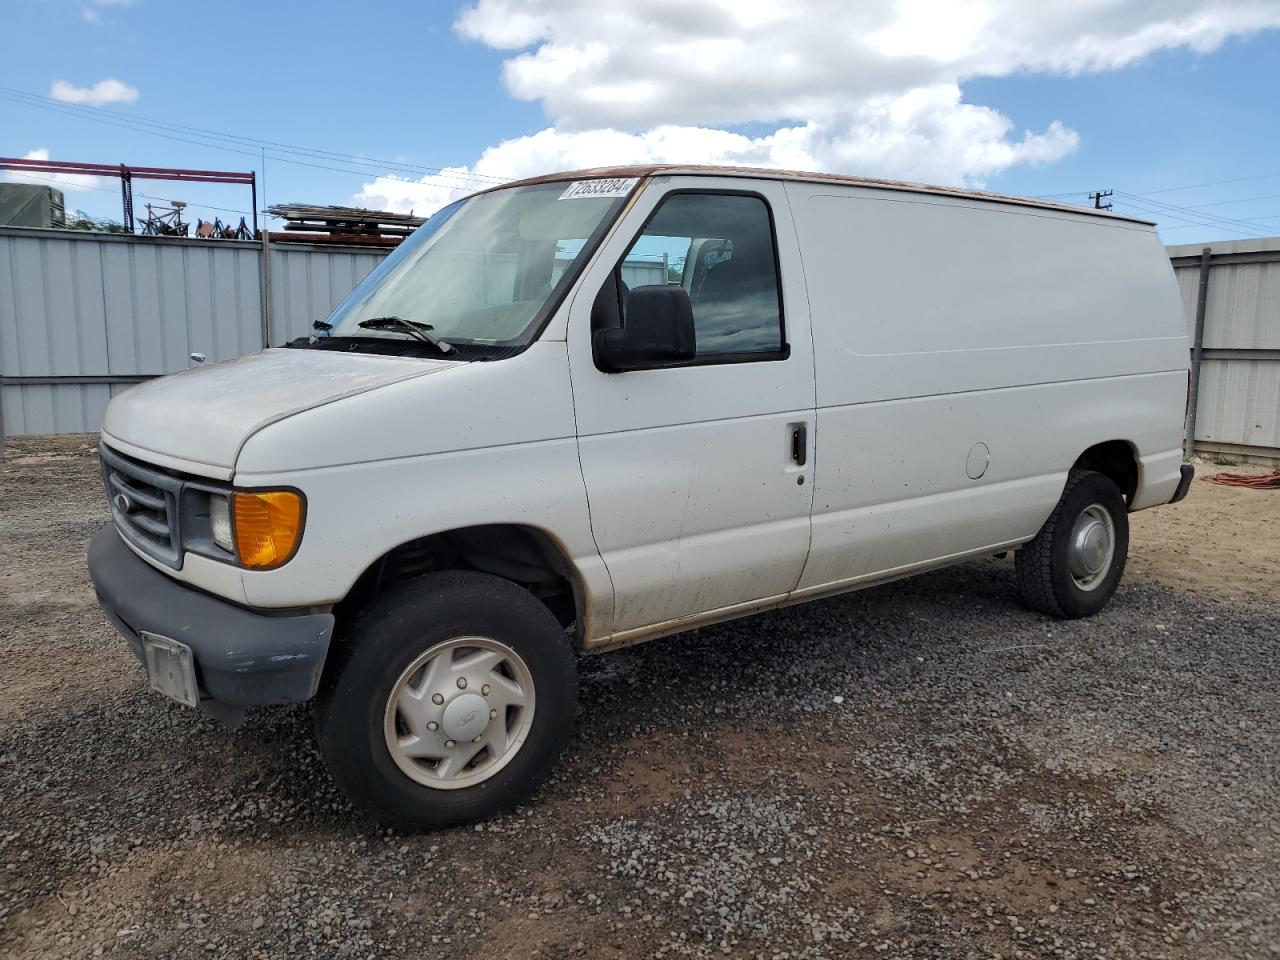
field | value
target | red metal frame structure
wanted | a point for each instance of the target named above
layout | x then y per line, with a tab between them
128	174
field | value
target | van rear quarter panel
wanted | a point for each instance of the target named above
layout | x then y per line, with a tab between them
941	323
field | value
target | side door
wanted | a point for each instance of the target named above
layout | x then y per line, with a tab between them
697	473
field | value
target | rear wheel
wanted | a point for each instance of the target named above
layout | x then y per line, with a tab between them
1074	564
454	696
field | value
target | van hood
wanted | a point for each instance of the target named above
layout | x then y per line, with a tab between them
204	415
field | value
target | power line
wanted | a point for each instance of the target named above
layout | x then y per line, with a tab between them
1211	183
1190	186
1189	219
1193	214
145	196
1163	217
226	149
34	99
247	153
183	134
1226	203
1188	226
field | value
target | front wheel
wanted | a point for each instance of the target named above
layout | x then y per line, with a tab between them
1074	564
453	697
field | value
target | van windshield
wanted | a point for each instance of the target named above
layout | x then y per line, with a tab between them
480	274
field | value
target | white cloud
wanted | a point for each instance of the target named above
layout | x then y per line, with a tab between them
728	61
100	94
933	135
63	181
872	87
91	10
422	197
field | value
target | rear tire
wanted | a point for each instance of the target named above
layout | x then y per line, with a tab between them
1073	566
423	669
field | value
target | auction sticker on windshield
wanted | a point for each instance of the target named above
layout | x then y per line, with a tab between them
612	187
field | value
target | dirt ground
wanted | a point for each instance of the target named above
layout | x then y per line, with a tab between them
923	769
1223	541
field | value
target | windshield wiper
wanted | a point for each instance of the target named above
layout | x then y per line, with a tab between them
416	330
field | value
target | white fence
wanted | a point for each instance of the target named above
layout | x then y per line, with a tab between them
84	315
1231	298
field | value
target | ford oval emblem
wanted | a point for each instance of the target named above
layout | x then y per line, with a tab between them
122	503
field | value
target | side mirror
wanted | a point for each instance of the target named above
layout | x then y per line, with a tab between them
658	331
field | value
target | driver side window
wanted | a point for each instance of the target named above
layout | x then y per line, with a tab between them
720	248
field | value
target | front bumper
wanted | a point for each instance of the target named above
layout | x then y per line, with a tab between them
243	657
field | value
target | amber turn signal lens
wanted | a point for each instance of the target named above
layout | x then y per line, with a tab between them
268	527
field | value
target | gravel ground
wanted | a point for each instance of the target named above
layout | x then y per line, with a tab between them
923	769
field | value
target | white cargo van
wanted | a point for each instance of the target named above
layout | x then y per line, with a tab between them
590	409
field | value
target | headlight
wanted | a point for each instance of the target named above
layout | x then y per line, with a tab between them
268	526
220	522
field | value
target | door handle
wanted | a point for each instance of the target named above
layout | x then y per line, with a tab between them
799	444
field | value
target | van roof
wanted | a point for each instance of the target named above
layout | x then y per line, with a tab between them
765	173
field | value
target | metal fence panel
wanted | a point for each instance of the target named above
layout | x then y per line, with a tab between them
219	305
1243	306
1240	403
119	308
1188	286
115	308
636	273
307	282
55	408
102	305
1238	407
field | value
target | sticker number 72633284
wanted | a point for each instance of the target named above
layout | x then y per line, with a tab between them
611	187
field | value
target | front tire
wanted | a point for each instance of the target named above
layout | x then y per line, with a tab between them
1073	566
452	698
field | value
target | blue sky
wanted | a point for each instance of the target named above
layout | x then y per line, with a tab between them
416	89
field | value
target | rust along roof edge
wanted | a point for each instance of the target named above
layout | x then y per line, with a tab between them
767	173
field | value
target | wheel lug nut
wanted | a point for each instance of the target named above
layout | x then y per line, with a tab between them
476	740
433	726
485	690
492	714
450	744
462	683
437	699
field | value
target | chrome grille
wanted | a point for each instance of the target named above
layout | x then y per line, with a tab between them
144	505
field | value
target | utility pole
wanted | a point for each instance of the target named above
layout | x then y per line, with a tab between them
1097	199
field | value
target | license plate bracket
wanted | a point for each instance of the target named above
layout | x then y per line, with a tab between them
171	668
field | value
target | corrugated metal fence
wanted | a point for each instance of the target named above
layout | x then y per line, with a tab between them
307	282
83	316
1231	299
